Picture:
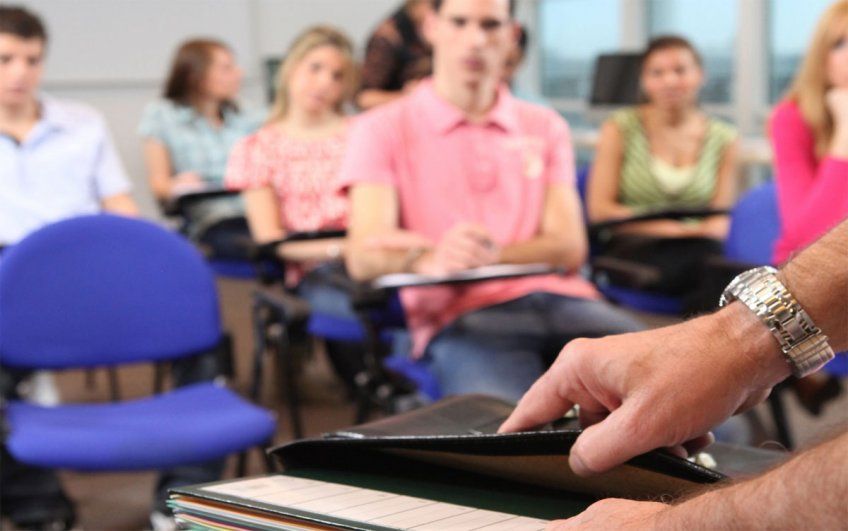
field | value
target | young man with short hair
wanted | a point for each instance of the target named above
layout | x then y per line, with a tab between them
57	157
475	177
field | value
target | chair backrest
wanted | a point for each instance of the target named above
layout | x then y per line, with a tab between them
754	226
104	290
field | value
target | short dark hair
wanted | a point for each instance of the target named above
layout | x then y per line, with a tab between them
437	4
17	21
665	42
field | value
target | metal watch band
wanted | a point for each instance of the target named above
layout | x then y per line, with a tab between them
802	342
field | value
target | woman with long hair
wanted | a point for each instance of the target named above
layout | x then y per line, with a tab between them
288	172
664	154
809	136
188	135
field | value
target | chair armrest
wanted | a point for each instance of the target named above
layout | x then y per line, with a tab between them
675	213
293	309
178	203
268	250
479	274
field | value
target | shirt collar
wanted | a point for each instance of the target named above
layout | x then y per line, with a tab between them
54	115
444	116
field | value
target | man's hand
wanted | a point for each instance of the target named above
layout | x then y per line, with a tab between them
614	513
465	246
660	388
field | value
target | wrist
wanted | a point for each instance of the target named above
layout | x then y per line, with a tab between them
412	260
761	358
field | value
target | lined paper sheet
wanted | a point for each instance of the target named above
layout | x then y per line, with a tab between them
372	506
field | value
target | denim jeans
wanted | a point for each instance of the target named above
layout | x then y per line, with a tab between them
501	350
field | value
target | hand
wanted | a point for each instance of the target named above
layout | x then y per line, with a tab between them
837	104
660	388
465	246
614	513
186	182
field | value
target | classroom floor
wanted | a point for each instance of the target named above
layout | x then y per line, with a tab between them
121	501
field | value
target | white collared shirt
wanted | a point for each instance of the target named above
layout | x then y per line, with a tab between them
64	168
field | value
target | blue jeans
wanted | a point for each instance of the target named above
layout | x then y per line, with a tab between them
501	350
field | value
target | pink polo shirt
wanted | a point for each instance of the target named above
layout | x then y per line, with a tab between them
448	171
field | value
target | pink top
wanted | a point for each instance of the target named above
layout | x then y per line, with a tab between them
302	173
812	194
448	171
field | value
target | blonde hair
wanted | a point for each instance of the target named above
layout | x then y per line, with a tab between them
312	38
810	86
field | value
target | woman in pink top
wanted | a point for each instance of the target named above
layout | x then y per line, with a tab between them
288	170
809	135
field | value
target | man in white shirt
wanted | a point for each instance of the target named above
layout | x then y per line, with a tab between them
56	158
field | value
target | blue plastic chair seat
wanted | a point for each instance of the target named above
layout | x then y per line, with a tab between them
233	269
643	300
191	424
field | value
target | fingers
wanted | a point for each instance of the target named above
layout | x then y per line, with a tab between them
542	403
614	440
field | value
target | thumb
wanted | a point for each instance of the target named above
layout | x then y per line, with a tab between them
609	443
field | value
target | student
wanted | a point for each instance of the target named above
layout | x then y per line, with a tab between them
484	178
289	171
665	388
809	136
397	55
57	157
663	154
188	135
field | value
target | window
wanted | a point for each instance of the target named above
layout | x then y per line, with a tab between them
711	27
572	34
791	26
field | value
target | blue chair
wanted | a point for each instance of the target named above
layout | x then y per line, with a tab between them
100	291
603	269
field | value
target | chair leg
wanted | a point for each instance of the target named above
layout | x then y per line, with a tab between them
260	327
90	382
781	423
158	378
114	386
241	465
290	368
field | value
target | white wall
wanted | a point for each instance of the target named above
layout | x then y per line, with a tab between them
113	54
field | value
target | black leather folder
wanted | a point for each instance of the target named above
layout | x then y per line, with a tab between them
455	441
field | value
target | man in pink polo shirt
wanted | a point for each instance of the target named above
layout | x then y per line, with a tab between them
474	177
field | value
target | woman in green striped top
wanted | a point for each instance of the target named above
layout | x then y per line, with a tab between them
665	154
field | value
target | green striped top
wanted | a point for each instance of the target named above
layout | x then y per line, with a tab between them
641	187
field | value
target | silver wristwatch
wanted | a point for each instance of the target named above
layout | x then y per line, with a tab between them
803	344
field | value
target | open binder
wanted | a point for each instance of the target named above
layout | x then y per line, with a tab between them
449	454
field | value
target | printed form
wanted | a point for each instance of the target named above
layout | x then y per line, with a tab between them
372	506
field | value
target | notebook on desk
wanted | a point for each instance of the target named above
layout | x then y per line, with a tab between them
442	463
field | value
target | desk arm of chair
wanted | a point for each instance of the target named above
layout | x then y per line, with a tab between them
177	204
601	229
